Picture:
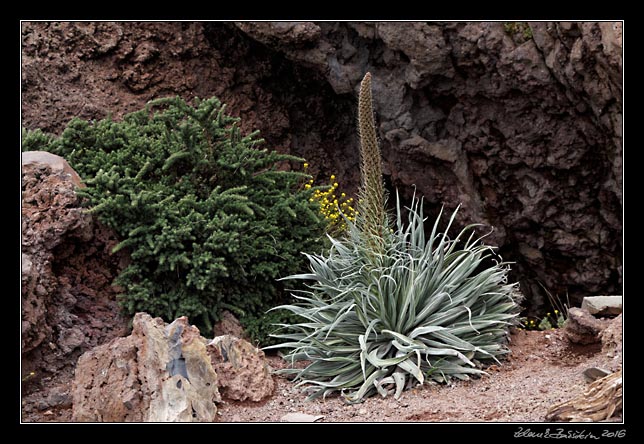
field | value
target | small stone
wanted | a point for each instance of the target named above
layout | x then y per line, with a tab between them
59	397
593	373
70	339
582	328
602	305
42	405
26	264
362	411
300	417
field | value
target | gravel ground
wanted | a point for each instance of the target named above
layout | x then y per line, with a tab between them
542	370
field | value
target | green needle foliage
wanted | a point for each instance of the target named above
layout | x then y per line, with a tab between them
387	309
210	219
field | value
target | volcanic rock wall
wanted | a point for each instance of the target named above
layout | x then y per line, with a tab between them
519	122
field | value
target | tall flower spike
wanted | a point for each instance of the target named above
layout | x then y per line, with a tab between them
373	222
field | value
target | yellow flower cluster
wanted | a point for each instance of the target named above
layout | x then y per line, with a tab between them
548	322
333	205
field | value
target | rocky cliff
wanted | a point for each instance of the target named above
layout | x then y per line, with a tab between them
68	303
519	122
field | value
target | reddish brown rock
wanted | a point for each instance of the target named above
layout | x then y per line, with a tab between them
68	304
57	165
111	372
583	328
612	345
242	369
229	325
160	373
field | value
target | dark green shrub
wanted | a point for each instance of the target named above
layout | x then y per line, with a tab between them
209	218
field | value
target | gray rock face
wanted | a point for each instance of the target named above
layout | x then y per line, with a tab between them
602	305
160	373
523	129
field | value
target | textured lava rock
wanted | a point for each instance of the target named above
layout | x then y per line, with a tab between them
612	342
242	369
523	130
57	165
160	373
582	328
229	325
68	304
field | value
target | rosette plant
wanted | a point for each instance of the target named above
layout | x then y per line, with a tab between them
388	307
